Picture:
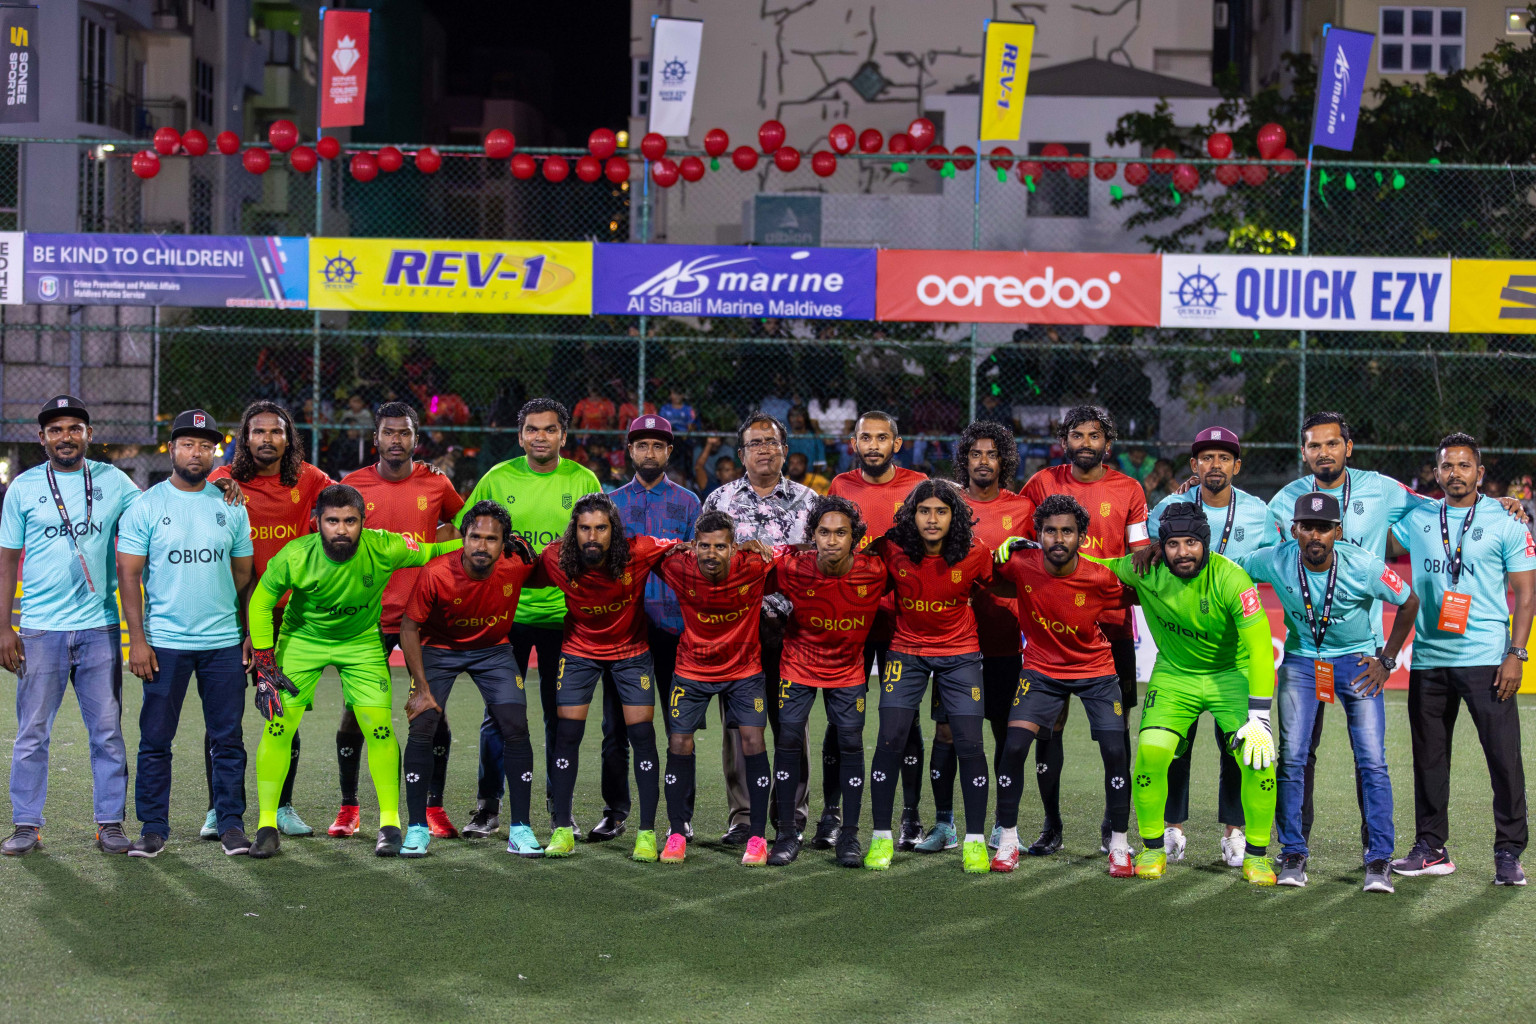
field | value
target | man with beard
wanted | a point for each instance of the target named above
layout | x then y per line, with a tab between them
337	578
878	487
654	506
280	490
414	500
1117	523
192	555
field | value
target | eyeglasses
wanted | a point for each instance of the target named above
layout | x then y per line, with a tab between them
762	444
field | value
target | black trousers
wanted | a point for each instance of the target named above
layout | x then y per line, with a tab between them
1435	696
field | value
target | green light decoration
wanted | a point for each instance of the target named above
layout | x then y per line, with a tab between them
1115	192
1322	179
1398	181
996	390
1434	160
1349	181
1002	176
1029	182
899	167
1378	177
1177	199
1031	382
1236	357
714	163
948	170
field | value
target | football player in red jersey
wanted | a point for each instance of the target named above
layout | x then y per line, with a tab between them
878	487
934	564
1117	523
836	590
417	501
1061	601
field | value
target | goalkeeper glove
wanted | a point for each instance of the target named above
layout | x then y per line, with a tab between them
1256	737
1006	549
270	684
518	545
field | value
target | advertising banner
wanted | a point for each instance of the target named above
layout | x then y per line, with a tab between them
18	34
435	275
675	44
961	286
343	68
734	281
167	270
1004	77
1340	84
12	261
1493	296
1321	293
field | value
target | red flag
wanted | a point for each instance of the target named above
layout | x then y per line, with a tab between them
344	59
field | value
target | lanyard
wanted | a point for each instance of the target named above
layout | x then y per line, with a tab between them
1317	623
1226	532
69	531
1453	561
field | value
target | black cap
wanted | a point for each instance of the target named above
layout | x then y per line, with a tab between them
1184	519
196	423
1317	506
62	405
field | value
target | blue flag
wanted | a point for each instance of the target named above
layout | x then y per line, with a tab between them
1340	84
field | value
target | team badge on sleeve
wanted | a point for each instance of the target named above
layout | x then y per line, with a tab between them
1393	581
410	542
1251	603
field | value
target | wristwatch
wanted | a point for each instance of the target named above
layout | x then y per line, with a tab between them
1388	663
1519	652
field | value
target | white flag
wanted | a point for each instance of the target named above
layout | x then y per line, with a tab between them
675	44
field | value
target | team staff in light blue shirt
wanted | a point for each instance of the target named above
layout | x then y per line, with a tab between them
193	556
1468	649
1333	650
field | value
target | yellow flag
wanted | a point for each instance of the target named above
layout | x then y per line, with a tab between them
1004	76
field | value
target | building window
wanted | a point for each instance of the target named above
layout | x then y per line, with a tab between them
1420	40
1517	21
93	72
202	92
1057	193
640	87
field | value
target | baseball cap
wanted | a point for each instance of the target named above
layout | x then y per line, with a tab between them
195	423
1217	437
649	425
1317	506
62	405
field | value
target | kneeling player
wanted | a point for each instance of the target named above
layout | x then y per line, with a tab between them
456	620
720	588
1061	599
836	591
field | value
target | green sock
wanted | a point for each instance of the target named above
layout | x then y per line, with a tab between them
1154	753
274	758
383	761
1258	804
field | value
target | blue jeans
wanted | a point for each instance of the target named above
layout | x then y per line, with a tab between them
1367	718
221	685
92	660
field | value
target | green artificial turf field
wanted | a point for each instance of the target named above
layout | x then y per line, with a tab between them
327	932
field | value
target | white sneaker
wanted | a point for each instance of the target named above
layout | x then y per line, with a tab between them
1232	848
1174	842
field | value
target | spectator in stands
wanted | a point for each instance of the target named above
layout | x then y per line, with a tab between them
708	479
833	417
993	409
812	446
631	407
594	412
678	412
498	446
932	413
798	470
1136	463
354	447
1160	482
774	405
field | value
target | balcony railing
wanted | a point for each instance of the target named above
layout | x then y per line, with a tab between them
112	107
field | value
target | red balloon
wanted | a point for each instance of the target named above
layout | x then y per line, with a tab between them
166	140
1077	167
691	168
1280	171
256	161
1137	174
1271	141
283	135
228	143
1163	153
842	138
556	168
428	160
524	166
1054	149
327	147
770	136
194	142
146	164
922	132
364	167
302	159
1104	170
786	158
1219	146
602	143
1186	178
871	141
664	172
1255	174
1229	174
390	159
499	144
716	141
964	165
999	164
745	158
617	169
900	143
1030	169
654	147
589	168
824	164
937	165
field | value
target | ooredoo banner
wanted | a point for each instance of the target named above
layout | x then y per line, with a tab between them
960	286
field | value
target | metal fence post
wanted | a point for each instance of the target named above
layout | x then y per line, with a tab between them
1301	355
975	244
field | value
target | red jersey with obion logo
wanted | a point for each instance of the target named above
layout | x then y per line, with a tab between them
413	508
997	618
933	600
824	638
1060	615
604	617
878	504
461	613
277	513
720	640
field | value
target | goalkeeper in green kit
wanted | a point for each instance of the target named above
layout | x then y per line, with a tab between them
336	578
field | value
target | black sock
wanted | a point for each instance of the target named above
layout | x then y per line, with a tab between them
1010	776
787	750
850	765
896	726
912	766
568	732
679	783
517	758
1048	755
349	760
941	771
973	771
757	780
831	770
286	798
442	743
1117	781
417	762
642	740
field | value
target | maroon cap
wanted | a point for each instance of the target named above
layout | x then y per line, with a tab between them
1217	437
649	425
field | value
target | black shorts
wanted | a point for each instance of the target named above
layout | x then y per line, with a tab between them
1124	653
390	641
1042	698
957	681
744	701
999	681
577	680
493	670
844	704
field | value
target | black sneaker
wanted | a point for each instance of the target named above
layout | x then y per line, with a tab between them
786	847
736	835
110	837
147	845
235	842
849	853
1293	870
389	842
1507	869
827	830
267	843
1424	859
25	839
484	820
911	830
608	827
1048	842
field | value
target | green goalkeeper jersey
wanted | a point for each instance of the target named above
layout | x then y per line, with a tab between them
1211	625
333	602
